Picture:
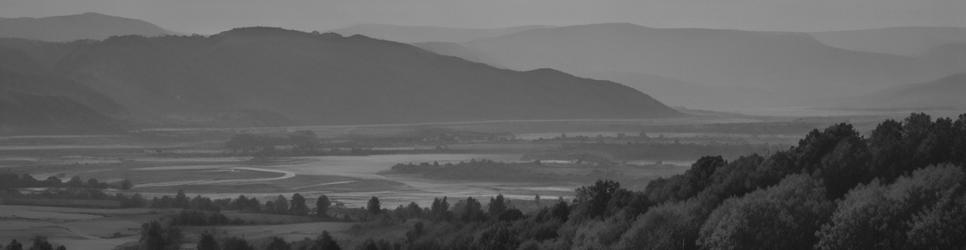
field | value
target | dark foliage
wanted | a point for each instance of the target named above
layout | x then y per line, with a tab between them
277	243
157	235
14	245
236	244
322	206
325	242
207	242
373	206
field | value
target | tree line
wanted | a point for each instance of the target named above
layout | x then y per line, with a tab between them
36	243
165	235
10	180
297	205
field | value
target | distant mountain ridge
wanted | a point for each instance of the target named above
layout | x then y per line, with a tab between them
905	41
271	76
419	34
76	27
795	66
946	93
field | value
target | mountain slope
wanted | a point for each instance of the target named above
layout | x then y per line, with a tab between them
269	74
34	100
75	27
906	41
794	65
453	49
685	94
945	93
417	34
949	55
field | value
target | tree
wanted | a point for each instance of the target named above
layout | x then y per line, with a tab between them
781	217
368	244
667	226
41	243
236	243
845	164
560	211
245	143
919	211
298	205
471	210
270	206
75	182
281	204
51	181
304	141
322	206
158	236
382	244
14	245
126	184
181	200
958	148
325	242
413	210
886	147
499	236
941	226
497	206
592	200
207	242
93	183
415	233
512	214
277	243
440	209
373	206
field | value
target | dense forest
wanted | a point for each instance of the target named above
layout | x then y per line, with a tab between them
903	186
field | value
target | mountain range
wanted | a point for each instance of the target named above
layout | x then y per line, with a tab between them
941	94
735	68
272	76
76	27
417	34
130	72
905	41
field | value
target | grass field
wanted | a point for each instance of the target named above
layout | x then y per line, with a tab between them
76	228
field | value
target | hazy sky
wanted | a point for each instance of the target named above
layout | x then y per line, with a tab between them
208	16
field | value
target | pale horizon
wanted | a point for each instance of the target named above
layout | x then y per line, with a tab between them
213	16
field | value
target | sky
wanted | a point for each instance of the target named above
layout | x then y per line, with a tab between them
212	16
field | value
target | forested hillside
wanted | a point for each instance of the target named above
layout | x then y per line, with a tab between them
899	187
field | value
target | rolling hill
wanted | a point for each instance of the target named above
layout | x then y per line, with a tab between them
76	27
271	76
